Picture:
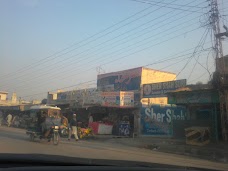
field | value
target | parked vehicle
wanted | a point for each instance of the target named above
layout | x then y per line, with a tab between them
45	123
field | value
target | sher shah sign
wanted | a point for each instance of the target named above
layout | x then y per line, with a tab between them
160	89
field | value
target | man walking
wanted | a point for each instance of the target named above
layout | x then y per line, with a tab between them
9	119
73	128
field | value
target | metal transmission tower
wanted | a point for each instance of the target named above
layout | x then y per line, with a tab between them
220	72
100	70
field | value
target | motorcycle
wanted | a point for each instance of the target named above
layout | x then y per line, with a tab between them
55	134
51	134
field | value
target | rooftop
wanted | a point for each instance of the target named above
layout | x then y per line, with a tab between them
193	87
134	69
3	92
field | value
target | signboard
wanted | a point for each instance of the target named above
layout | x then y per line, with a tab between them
126	99
124	129
157	120
120	81
62	96
160	89
199	97
110	99
92	97
117	99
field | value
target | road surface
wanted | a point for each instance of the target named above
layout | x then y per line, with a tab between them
14	140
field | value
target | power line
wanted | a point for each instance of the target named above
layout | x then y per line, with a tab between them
134	52
174	63
51	57
123	38
161	61
119	50
198	55
146	2
96	80
137	37
192	56
190	6
59	88
95	46
200	76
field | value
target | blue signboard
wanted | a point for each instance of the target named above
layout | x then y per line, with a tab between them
160	89
62	96
124	129
157	120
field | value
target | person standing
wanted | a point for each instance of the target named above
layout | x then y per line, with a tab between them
9	119
73	126
90	118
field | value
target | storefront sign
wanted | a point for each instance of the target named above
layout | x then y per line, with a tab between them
62	96
127	99
117	99
10	107
91	97
120	81
201	97
124	129
110	99
157	120
160	89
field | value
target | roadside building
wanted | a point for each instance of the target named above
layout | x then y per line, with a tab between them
13	105
202	110
3	95
156	119
131	81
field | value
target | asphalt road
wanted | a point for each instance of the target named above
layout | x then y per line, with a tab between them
14	140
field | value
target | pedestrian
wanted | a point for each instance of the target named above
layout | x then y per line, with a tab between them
90	118
73	128
15	121
9	119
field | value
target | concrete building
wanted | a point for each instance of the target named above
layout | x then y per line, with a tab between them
3	95
132	80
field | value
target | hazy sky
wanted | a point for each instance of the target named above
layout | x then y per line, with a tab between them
51	44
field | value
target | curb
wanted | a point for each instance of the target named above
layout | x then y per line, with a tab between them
213	155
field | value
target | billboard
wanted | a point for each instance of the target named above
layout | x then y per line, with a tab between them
117	99
126	99
157	120
160	89
120	81
91	97
62	96
197	97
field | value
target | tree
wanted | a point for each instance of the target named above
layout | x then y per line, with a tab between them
199	83
44	101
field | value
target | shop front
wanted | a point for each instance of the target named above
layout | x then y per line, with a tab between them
115	115
159	120
202	111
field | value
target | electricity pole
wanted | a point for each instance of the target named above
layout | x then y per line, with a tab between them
220	66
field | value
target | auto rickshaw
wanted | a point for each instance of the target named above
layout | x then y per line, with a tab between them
45	123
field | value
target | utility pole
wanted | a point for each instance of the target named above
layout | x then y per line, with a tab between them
220	67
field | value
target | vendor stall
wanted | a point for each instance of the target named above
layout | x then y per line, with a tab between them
101	128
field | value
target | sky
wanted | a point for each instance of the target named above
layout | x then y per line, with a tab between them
47	45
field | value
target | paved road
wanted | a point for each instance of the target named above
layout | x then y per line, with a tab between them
16	141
